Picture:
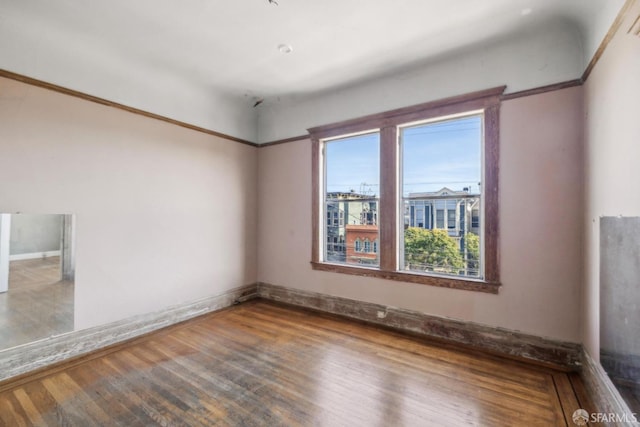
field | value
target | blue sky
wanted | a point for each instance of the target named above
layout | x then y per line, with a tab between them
436	155
352	162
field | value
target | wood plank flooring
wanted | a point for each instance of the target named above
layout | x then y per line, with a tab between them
37	305
34	272
631	395
263	364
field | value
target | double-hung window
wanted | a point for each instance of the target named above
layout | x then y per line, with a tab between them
421	183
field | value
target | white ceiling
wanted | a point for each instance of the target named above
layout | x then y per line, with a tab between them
164	56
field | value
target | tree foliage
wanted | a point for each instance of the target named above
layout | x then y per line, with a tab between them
432	250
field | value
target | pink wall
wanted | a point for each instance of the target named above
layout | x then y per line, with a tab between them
165	215
540	244
612	154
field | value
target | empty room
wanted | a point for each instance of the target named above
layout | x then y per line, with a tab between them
335	213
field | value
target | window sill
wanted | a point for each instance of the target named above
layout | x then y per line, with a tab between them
443	282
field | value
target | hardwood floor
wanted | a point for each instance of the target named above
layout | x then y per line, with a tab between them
37	305
34	272
263	364
631	395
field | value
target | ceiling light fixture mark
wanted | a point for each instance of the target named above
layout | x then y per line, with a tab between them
285	48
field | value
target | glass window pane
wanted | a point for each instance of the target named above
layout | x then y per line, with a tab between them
440	218
451	218
442	169
352	182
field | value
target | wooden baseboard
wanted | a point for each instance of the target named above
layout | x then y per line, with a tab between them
28	358
621	368
34	255
516	345
603	392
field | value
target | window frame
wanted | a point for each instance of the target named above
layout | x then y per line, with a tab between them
387	124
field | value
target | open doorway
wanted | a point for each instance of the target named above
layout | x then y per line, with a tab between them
36	277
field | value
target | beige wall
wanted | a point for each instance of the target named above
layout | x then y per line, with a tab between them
612	169
164	214
540	215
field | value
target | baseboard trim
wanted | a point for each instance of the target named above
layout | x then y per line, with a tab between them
26	359
512	344
603	392
33	255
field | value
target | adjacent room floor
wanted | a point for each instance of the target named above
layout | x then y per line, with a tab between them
265	364
37	305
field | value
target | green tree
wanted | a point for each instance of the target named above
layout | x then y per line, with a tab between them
432	250
472	242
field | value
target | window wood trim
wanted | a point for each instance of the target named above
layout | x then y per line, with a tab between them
388	228
387	124
444	107
491	195
400	276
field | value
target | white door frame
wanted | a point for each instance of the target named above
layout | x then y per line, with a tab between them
67	248
5	239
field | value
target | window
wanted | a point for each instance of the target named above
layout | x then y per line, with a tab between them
451	218
440	218
351	183
475	218
415	182
441	163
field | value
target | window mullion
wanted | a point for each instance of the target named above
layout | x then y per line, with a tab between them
388	198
